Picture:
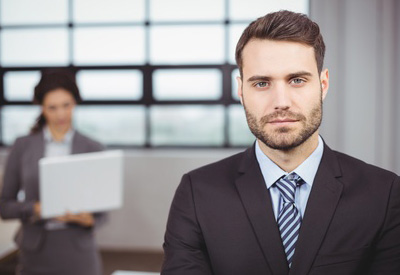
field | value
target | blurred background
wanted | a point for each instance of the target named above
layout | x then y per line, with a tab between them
157	79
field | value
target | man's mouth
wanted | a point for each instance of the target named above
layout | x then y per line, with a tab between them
282	121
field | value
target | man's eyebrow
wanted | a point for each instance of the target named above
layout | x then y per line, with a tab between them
258	78
289	76
299	74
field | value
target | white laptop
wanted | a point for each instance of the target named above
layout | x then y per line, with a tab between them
88	182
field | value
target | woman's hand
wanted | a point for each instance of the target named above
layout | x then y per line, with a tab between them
85	219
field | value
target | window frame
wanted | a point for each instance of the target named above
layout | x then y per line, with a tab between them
147	70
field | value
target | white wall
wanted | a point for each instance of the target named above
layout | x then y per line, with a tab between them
361	116
151	177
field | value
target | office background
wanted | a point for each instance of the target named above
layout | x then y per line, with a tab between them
157	79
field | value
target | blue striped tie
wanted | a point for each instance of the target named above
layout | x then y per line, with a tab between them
289	218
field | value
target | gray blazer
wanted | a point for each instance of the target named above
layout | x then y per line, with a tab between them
22	173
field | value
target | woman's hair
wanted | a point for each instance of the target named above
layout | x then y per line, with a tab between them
50	81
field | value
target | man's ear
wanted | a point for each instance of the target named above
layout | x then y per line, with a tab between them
324	77
240	88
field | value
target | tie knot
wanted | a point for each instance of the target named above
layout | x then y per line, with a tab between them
287	186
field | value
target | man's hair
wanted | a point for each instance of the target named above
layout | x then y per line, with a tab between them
283	26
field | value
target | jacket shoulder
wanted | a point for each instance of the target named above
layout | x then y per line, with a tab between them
357	167
89	143
25	140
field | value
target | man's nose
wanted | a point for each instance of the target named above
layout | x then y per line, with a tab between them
282	97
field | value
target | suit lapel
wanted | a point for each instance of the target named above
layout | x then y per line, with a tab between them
321	205
38	148
257	203
37	151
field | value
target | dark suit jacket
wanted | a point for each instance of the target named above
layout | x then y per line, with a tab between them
22	173
221	221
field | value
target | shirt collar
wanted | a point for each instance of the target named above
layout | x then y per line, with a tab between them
306	170
49	138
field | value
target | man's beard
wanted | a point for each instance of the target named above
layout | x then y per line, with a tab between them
281	138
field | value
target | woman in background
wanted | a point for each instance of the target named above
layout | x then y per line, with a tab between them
63	245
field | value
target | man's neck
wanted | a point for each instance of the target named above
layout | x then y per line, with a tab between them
291	159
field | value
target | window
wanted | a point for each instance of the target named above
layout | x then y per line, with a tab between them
188	84
187	125
110	84
194	44
112	124
151	72
108	45
34	47
17	121
19	86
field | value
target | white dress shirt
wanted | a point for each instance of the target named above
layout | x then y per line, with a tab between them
54	148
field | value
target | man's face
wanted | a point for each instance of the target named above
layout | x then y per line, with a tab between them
282	92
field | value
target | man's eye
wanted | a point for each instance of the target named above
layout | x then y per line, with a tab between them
261	84
298	81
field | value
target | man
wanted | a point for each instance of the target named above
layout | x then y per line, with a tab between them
289	204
